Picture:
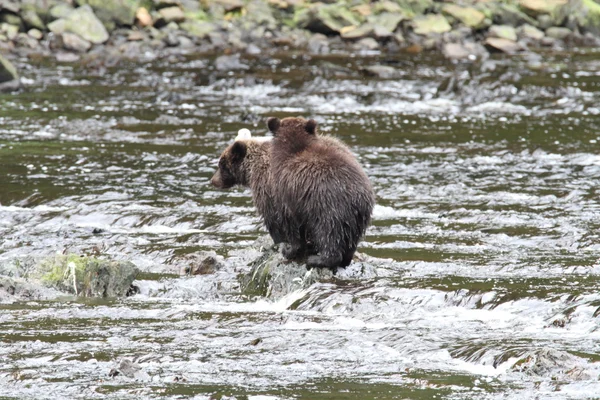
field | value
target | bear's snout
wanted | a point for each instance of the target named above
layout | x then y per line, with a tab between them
216	180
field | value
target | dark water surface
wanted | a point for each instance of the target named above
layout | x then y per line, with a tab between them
485	237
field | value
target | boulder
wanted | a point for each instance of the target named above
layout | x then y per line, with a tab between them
558	32
32	19
73	42
143	17
537	7
430	24
87	276
503	32
61	10
35	33
83	22
469	16
584	13
114	12
502	45
198	29
326	19
172	14
529	32
9	78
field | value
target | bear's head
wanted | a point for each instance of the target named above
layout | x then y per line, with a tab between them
239	159
292	126
232	170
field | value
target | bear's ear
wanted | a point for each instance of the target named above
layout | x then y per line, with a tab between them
273	124
311	127
238	152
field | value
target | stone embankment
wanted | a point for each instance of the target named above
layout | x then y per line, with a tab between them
70	30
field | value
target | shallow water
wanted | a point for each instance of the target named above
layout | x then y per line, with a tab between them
484	244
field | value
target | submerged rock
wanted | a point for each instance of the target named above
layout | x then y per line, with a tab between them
87	276
272	276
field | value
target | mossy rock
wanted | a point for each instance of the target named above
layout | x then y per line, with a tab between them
114	13
326	19
87	276
585	13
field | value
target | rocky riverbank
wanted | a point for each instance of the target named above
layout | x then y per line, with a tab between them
113	29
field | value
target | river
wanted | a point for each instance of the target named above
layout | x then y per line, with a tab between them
483	250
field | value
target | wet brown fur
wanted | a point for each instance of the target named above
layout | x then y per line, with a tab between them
324	191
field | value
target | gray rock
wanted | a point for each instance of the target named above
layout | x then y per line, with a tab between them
172	14
73	42
10	6
17	289
380	71
253	49
558	33
61	10
529	32
86	276
32	19
114	12
10	31
8	72
326	19
35	33
366	44
430	24
23	40
229	63
318	44
203	263
10	18
259	13
503	32
545	21
198	29
185	42
360	32
502	45
462	51
83	22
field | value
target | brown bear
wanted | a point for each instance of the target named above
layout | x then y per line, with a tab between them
247	162
327	196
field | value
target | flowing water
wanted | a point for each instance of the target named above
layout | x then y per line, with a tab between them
484	245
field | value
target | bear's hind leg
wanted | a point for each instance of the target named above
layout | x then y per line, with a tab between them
321	261
292	251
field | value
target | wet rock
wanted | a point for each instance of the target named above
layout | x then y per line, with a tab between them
461	51
32	19
253	49
114	13
502	45
203	263
143	17
326	19
73	42
61	10
9	78
380	71
469	16
86	276
585	14
503	32
558	33
529	32
430	24
35	34
368	44
551	363
129	369
536	7
230	63
271	276
172	14
10	6
82	22
198	29
318	44
17	289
